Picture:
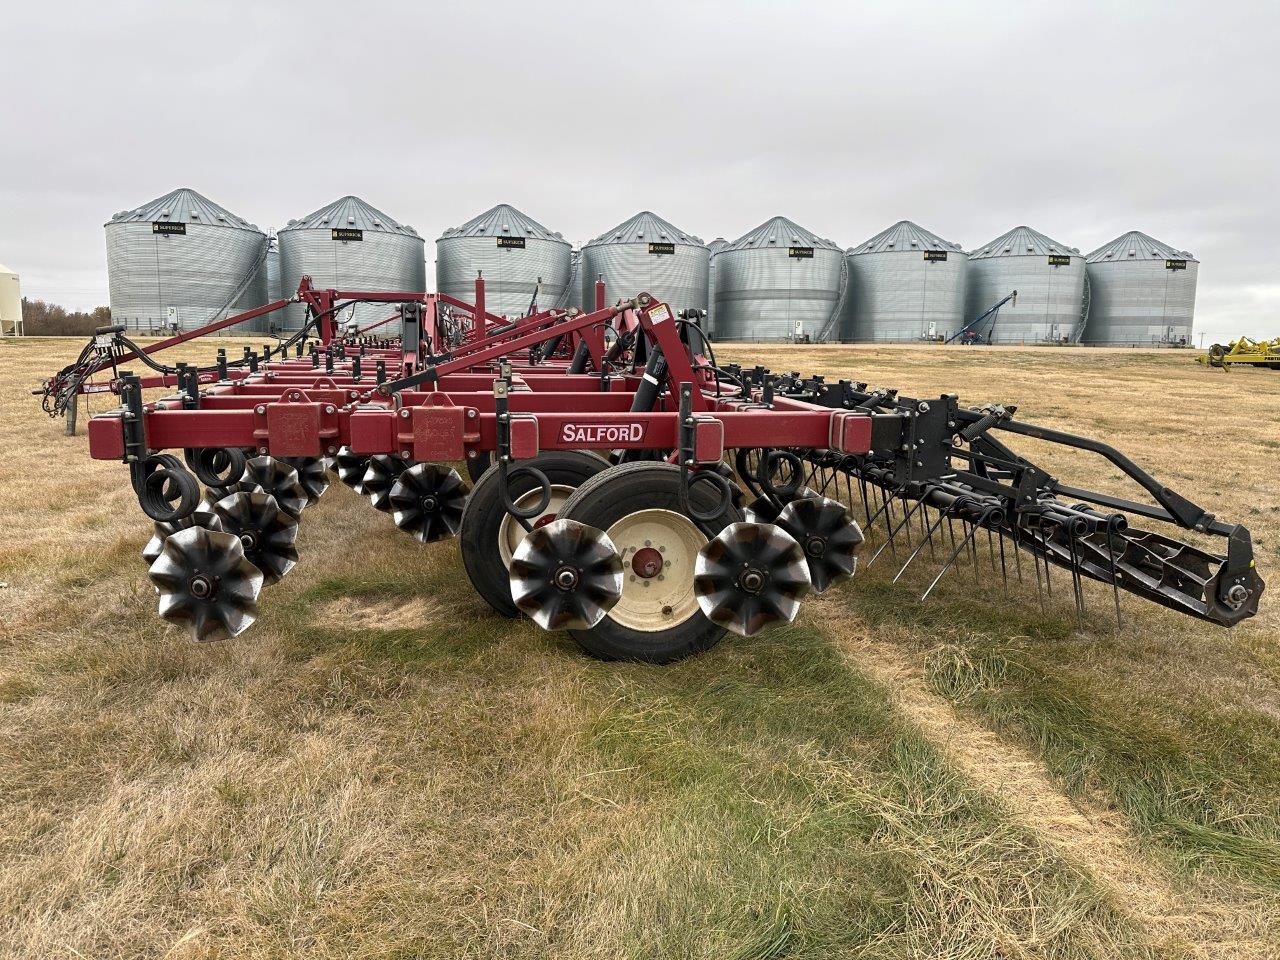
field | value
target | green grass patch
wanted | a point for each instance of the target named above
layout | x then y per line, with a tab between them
1201	781
798	802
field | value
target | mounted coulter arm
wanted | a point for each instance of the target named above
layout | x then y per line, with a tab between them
626	487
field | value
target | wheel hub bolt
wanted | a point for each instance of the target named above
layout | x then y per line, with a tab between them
815	546
566	578
1238	594
429	504
200	587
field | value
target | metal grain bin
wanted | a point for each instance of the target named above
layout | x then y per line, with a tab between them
905	284
776	282
646	253
10	303
1142	293
349	245
183	258
513	251
1049	277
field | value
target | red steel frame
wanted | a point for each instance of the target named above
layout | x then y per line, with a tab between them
445	407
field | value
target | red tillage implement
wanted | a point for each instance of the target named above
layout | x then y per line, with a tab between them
627	488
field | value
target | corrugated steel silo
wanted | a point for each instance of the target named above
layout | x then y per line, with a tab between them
1049	278
1142	292
905	284
776	282
10	303
647	254
513	251
186	254
714	247
350	245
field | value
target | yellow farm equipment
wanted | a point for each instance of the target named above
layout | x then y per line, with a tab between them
1244	351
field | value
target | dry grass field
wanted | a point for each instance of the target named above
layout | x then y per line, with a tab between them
381	768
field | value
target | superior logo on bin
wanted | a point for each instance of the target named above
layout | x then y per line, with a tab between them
591	433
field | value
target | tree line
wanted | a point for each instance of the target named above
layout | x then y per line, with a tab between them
43	319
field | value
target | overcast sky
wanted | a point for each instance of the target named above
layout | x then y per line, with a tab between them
1081	120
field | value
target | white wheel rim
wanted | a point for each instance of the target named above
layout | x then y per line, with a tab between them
657	603
511	534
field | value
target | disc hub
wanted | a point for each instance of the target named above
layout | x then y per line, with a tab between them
429	504
752	581
201	587
566	578
815	546
646	562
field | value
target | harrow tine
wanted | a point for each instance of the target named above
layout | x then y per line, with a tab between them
1077	584
905	522
1115	574
1035	556
972	538
1042	553
831	476
888	521
928	539
1004	570
873	517
866	503
947	566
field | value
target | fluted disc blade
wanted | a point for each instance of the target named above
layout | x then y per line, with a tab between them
763	510
828	536
312	474
566	575
206	584
427	501
750	575
202	517
266	533
379	477
350	467
274	477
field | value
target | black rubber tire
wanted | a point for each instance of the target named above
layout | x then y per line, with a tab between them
604	500
482	518
478	465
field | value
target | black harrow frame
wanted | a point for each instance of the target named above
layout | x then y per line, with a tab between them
953	463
